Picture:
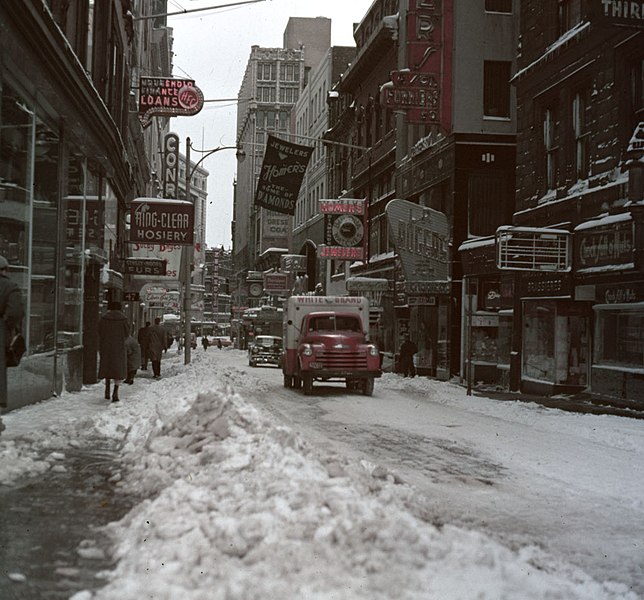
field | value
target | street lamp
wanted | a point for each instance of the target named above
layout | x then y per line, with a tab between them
185	257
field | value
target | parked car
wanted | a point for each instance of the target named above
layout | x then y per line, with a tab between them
224	339
265	350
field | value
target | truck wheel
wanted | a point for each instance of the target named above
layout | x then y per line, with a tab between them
288	381
307	384
297	382
367	387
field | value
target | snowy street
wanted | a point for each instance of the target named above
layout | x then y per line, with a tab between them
255	491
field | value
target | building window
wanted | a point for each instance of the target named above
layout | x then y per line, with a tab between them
550	147
496	88
569	15
290	72
266	94
288	95
581	135
637	90
502	6
486	204
266	71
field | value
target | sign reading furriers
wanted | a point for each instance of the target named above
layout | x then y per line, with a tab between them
281	175
154	220
423	89
344	229
167	96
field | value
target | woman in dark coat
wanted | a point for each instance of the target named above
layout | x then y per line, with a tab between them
113	330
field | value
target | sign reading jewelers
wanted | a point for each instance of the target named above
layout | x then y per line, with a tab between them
281	176
421	238
167	96
158	221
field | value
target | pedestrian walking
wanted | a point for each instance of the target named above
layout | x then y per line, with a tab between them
406	357
218	344
133	351
11	313
205	342
157	344
113	330
142	338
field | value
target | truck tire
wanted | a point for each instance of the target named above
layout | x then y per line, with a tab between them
288	381
307	384
297	382
367	387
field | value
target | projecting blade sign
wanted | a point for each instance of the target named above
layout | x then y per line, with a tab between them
282	174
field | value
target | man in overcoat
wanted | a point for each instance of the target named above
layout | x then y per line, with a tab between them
11	313
157	343
113	330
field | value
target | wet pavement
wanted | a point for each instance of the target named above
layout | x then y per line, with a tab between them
49	549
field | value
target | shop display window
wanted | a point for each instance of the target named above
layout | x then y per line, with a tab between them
619	338
556	342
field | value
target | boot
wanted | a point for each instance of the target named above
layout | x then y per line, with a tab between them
115	395
107	389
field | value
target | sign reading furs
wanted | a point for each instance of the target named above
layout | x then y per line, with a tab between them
281	176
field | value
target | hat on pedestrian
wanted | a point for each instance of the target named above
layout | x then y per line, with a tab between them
4	264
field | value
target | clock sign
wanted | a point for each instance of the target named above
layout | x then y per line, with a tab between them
255	289
345	229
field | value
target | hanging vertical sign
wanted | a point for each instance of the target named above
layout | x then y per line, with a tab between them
281	175
171	165
423	88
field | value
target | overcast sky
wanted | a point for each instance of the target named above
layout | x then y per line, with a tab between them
213	48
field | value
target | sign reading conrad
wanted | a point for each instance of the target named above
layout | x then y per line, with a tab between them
281	176
167	96
159	221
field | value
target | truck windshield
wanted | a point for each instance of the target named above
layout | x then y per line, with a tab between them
334	324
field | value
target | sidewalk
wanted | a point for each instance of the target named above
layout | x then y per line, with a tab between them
583	402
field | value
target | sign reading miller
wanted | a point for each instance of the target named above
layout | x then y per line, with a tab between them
158	221
169	97
281	176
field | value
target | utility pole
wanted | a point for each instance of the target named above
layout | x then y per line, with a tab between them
188	250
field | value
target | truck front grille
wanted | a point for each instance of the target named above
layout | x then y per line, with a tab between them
342	360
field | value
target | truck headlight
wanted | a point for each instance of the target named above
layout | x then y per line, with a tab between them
373	351
307	350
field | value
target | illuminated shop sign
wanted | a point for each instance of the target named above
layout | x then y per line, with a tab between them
167	96
171	165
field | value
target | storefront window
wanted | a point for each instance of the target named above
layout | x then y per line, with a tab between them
16	141
556	342
44	241
619	336
539	340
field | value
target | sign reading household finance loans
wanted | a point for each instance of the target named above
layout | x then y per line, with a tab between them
282	174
